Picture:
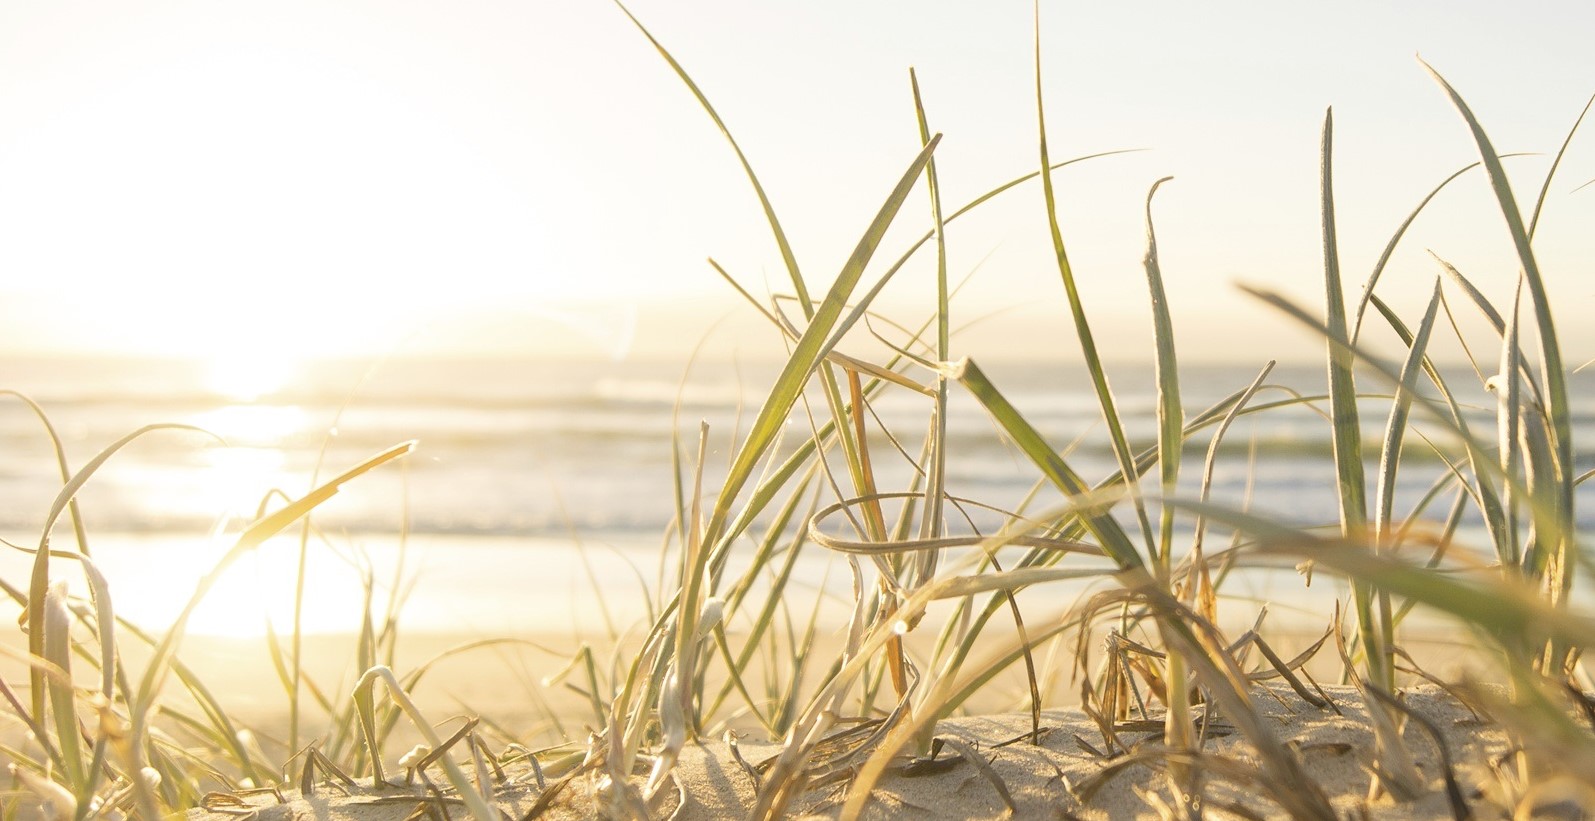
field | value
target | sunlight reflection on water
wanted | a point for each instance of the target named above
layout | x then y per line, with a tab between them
496	586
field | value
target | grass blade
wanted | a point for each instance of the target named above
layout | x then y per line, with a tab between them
932	525
1170	410
1551	370
1342	386
1346	435
809	351
40	579
787	256
1509	423
1088	346
1515	609
1396	427
1390	248
61	464
1171	423
473	798
256	534
1095	518
1545	187
58	651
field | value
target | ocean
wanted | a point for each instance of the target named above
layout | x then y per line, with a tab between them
540	493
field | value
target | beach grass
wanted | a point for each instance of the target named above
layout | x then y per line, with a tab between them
938	613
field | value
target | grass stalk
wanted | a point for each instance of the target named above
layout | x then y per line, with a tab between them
1552	373
1088	346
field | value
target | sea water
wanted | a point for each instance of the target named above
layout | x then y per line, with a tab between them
541	496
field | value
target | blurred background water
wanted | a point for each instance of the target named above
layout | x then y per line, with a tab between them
541	493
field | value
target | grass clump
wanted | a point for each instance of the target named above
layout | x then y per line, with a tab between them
1130	529
937	614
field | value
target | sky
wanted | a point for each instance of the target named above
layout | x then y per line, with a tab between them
256	183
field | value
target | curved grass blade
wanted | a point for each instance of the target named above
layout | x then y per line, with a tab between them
932	525
1452	420
809	350
1545	188
141	703
1509	421
1489	501
1211	463
821	321
1395	239
1389	465
57	650
1551	369
1396	426
1346	433
40	579
1474	295
1088	345
1170	410
1515	609
1097	520
767	489
787	256
62	465
1171	423
468	792
1493	316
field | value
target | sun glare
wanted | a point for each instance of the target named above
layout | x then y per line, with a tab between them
237	475
246	377
261	590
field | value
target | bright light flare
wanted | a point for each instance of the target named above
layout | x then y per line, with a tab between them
246	376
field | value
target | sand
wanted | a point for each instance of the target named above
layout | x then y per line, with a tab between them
1061	778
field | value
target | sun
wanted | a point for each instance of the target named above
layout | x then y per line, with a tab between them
248	375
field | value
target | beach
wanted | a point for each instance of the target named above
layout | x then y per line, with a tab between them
1065	775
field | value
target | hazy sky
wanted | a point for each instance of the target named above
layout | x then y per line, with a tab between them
258	180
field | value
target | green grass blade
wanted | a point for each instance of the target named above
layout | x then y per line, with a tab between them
931	525
1029	441
1346	433
1474	295
1491	315
468	793
62	465
105	627
1545	187
1342	386
1389	465
40	579
1170	410
1543	554
1509	423
58	651
1448	414
809	350
694	573
1560	529
1205	489
1551	369
1088	346
252	537
1390	249
1515	609
1396	426
787	256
